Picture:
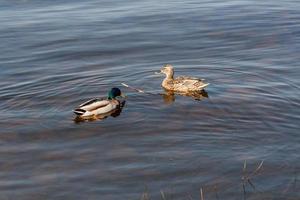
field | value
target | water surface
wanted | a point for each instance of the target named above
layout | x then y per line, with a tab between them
57	54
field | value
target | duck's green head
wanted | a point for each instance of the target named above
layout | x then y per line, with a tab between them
113	93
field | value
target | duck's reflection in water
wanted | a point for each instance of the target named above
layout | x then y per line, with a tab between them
113	113
169	96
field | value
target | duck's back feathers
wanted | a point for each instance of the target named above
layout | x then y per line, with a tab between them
188	78
89	102
185	84
95	106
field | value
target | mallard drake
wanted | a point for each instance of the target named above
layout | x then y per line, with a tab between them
181	83
98	106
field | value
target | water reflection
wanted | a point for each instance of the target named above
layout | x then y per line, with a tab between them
169	96
113	113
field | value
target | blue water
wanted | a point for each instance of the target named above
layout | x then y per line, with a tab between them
57	54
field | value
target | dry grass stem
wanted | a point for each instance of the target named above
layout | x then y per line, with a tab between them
258	168
245	166
201	194
163	196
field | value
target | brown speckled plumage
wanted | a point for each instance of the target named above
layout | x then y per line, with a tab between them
181	83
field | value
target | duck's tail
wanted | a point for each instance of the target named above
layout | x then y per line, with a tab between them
79	111
204	85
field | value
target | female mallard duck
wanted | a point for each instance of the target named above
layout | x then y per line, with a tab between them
182	84
97	106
